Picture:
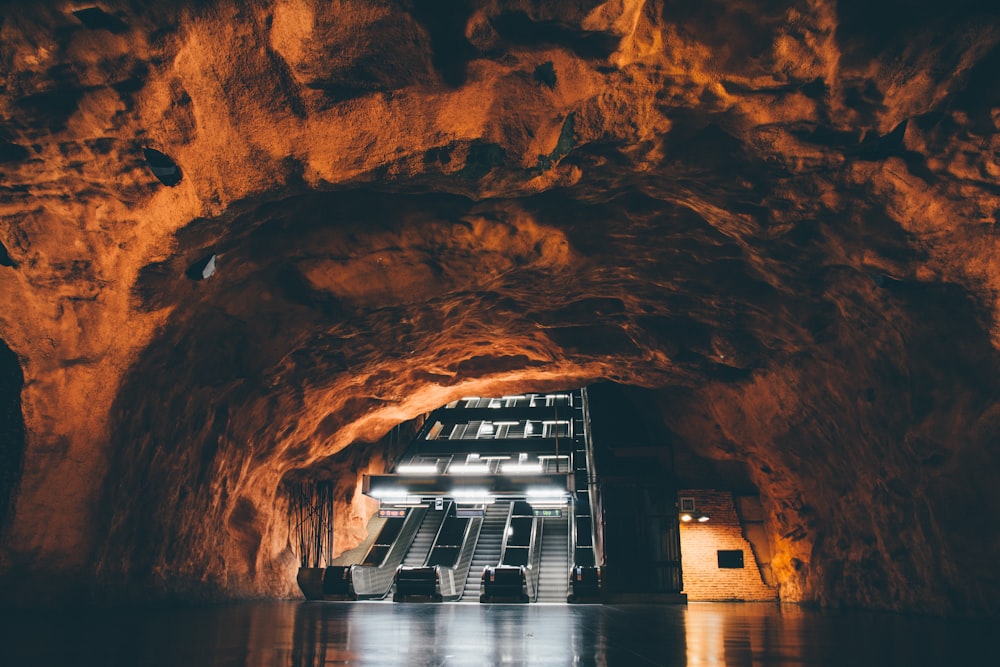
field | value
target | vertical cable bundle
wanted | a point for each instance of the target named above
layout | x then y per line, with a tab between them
311	508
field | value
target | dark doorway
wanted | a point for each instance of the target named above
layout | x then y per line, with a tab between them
11	431
642	539
635	464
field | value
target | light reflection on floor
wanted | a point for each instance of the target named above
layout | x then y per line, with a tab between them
312	634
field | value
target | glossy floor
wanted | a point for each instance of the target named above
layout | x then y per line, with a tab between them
311	634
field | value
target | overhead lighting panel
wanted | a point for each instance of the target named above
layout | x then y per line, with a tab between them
546	496
417	469
522	469
391	496
474	496
469	469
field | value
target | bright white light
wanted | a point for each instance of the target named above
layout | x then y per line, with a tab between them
703	518
469	469
686	517
552	501
538	492
522	469
417	469
390	496
472	495
543	496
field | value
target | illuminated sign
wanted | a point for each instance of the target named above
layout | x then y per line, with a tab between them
391	513
547	514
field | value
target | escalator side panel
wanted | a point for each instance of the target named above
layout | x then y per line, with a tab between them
375	581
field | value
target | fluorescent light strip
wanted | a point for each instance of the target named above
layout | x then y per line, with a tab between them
546	493
476	495
390	496
470	493
469	470
559	501
522	469
417	469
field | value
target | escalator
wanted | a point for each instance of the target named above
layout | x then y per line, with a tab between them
372	577
553	569
487	549
526	521
412	577
441	575
452	555
424	539
514	580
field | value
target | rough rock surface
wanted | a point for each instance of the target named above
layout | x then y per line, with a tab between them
780	219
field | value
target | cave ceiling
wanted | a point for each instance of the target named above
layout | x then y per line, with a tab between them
239	237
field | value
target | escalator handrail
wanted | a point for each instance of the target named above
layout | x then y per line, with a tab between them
594	489
506	533
534	558
571	534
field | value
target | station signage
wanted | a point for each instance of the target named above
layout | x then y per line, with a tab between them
547	513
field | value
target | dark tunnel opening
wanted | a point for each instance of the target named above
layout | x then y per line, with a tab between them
11	431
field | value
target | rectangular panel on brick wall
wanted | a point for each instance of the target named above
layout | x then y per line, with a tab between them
730	559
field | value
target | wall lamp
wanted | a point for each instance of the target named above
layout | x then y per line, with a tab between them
687	517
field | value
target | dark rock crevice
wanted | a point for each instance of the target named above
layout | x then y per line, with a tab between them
12	433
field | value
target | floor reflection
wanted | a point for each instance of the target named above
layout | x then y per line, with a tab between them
314	634
448	634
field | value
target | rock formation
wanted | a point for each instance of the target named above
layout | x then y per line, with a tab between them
242	241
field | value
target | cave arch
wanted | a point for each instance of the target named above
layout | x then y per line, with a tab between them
321	338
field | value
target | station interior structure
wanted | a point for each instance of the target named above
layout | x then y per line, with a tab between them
503	500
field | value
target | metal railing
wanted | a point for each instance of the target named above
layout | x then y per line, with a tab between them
534	559
506	535
584	578
593	488
571	533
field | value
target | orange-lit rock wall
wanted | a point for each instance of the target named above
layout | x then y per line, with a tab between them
704	580
778	217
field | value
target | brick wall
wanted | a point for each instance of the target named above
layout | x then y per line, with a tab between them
700	543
